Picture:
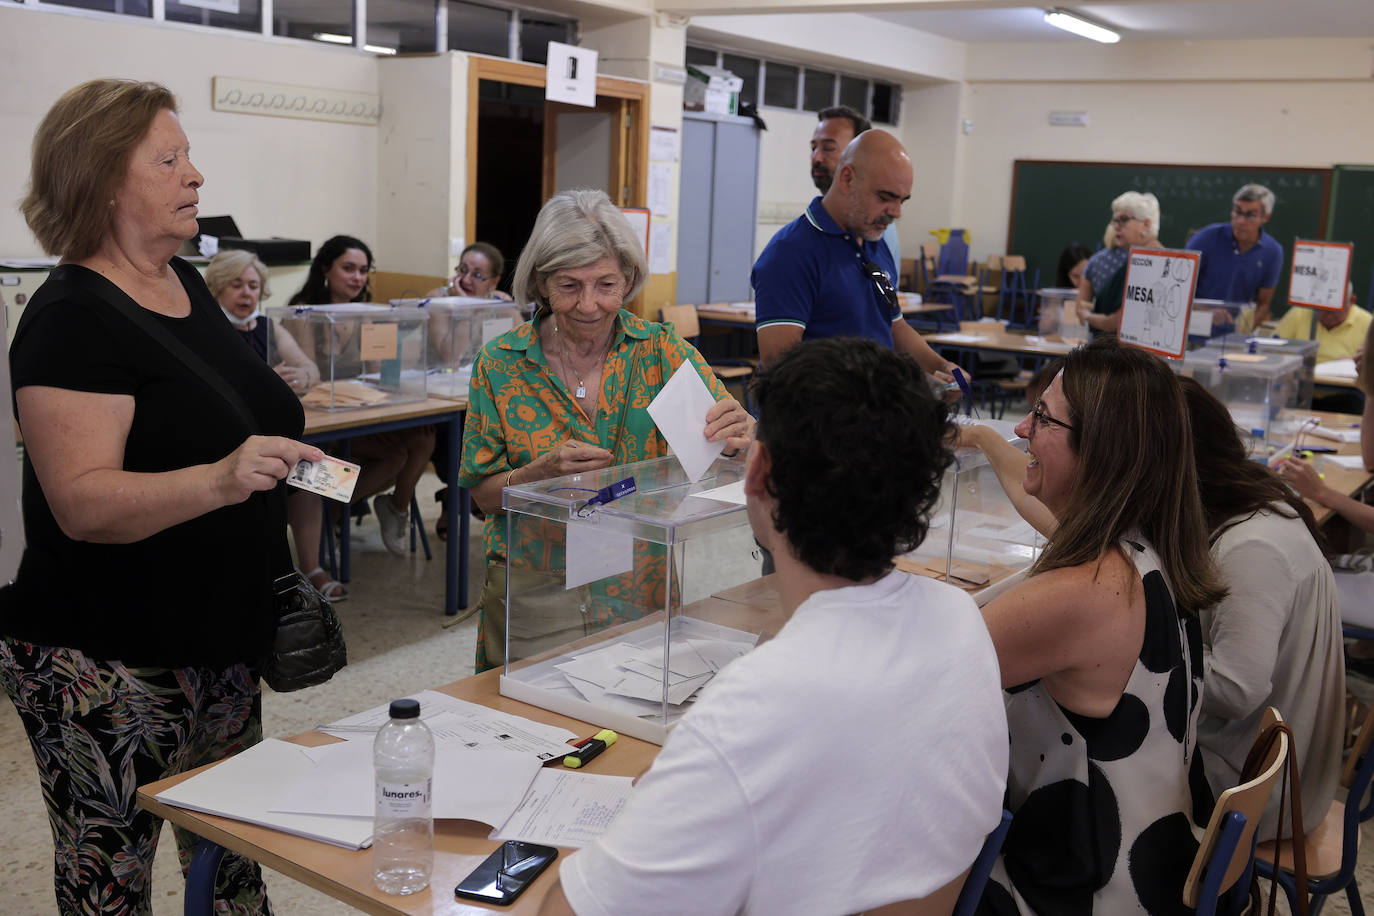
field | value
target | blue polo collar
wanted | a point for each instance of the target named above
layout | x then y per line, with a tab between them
820	218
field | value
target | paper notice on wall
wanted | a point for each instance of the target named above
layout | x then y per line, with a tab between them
1321	271
660	188
663	143
1158	300
660	248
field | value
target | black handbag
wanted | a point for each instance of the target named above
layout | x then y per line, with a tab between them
309	644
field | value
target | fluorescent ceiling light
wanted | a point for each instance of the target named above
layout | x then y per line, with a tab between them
346	40
1077	24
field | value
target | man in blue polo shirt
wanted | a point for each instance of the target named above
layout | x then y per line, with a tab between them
1240	263
828	273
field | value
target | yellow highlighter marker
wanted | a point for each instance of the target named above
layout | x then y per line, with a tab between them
587	752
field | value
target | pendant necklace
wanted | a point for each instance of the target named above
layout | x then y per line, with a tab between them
581	391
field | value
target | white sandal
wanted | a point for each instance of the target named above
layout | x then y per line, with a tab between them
332	590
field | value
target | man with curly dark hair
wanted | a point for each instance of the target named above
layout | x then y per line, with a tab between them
806	778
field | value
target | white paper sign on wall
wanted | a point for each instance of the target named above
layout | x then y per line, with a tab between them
570	75
1320	273
1158	301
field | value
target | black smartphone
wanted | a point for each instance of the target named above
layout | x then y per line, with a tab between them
506	872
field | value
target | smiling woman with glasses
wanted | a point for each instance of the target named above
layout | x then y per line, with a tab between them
1100	647
1135	224
479	270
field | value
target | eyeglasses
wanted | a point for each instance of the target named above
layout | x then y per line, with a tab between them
879	277
476	274
1253	216
1041	420
1122	220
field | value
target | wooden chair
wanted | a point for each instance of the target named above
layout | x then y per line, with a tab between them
1013	292
1335	843
684	320
1225	859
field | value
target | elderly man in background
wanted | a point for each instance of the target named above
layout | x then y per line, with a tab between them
1240	263
1340	335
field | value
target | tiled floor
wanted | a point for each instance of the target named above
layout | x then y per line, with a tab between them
397	644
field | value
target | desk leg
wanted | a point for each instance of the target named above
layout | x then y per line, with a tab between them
456	548
345	536
200	879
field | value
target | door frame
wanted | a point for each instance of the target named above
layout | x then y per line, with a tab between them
628	100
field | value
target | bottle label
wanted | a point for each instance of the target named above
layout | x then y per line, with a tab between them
403	799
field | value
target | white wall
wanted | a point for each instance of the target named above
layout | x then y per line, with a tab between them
276	176
416	164
1178	115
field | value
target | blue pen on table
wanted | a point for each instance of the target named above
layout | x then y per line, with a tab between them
590	748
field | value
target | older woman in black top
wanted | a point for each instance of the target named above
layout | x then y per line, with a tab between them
153	507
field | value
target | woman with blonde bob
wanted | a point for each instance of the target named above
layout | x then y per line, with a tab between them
1100	648
567	392
154	509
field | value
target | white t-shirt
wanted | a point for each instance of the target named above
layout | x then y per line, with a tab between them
857	759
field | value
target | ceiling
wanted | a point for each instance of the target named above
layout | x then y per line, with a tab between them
1165	19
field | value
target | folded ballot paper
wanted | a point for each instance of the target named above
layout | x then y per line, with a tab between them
485	764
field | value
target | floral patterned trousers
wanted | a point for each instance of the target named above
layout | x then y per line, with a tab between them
101	729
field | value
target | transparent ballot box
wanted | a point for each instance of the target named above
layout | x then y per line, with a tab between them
1058	315
612	610
976	541
368	355
458	329
1305	350
1261	390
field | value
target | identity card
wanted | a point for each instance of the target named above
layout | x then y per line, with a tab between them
328	477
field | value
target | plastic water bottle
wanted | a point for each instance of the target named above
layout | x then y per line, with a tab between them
403	832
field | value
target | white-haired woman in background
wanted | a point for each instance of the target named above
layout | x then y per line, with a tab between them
567	391
1135	222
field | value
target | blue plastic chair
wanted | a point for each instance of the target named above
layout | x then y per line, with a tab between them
977	879
1015	301
1334	845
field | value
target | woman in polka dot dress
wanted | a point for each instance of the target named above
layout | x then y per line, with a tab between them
1101	651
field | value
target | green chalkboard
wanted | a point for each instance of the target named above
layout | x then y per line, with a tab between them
1055	203
1352	220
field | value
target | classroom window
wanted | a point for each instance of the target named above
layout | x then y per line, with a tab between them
818	90
122	7
854	93
701	57
327	22
780	83
244	15
747	69
535	35
887	103
479	29
401	26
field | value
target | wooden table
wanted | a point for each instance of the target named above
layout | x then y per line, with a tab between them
995	339
1350	482
346	874
322	426
741	314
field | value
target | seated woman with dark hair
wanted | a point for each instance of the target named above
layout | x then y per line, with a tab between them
1100	649
1073	260
339	274
1276	638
